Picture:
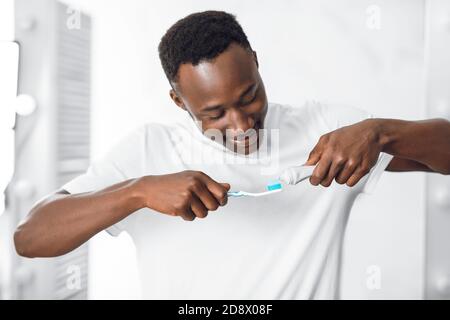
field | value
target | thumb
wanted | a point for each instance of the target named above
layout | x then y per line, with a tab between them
226	185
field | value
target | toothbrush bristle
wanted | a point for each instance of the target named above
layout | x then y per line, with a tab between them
274	185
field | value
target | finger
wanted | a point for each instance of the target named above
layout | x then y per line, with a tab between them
218	190
198	208
188	215
335	167
227	187
360	172
346	172
320	171
314	156
208	200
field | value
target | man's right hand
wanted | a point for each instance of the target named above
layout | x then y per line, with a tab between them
188	194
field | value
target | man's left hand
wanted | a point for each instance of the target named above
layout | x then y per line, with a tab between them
345	155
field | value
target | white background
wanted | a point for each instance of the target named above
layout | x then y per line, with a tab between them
320	50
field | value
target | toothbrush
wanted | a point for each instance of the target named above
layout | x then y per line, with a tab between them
272	187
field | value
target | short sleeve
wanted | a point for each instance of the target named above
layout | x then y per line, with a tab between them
375	173
125	160
338	115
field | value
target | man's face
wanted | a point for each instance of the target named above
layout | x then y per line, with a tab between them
225	94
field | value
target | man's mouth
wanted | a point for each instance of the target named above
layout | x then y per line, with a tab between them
247	139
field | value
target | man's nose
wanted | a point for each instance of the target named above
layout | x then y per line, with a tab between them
240	121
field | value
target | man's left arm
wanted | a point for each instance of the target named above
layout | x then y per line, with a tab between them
348	153
416	145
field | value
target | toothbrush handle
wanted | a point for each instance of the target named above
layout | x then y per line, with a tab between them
251	194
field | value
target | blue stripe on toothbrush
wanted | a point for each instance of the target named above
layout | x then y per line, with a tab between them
274	185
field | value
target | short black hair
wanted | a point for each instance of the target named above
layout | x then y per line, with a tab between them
200	36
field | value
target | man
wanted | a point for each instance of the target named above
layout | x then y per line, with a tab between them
286	245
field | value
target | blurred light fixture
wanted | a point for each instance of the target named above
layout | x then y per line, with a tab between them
442	108
26	24
443	285
24	190
25	105
442	197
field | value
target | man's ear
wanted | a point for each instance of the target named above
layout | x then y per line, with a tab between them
177	99
256	58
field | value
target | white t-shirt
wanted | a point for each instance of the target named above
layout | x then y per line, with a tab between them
285	245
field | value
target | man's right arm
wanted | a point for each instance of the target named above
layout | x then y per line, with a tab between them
63	222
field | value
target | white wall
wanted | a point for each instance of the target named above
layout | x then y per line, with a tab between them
307	49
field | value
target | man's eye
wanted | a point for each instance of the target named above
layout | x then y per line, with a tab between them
216	117
248	101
